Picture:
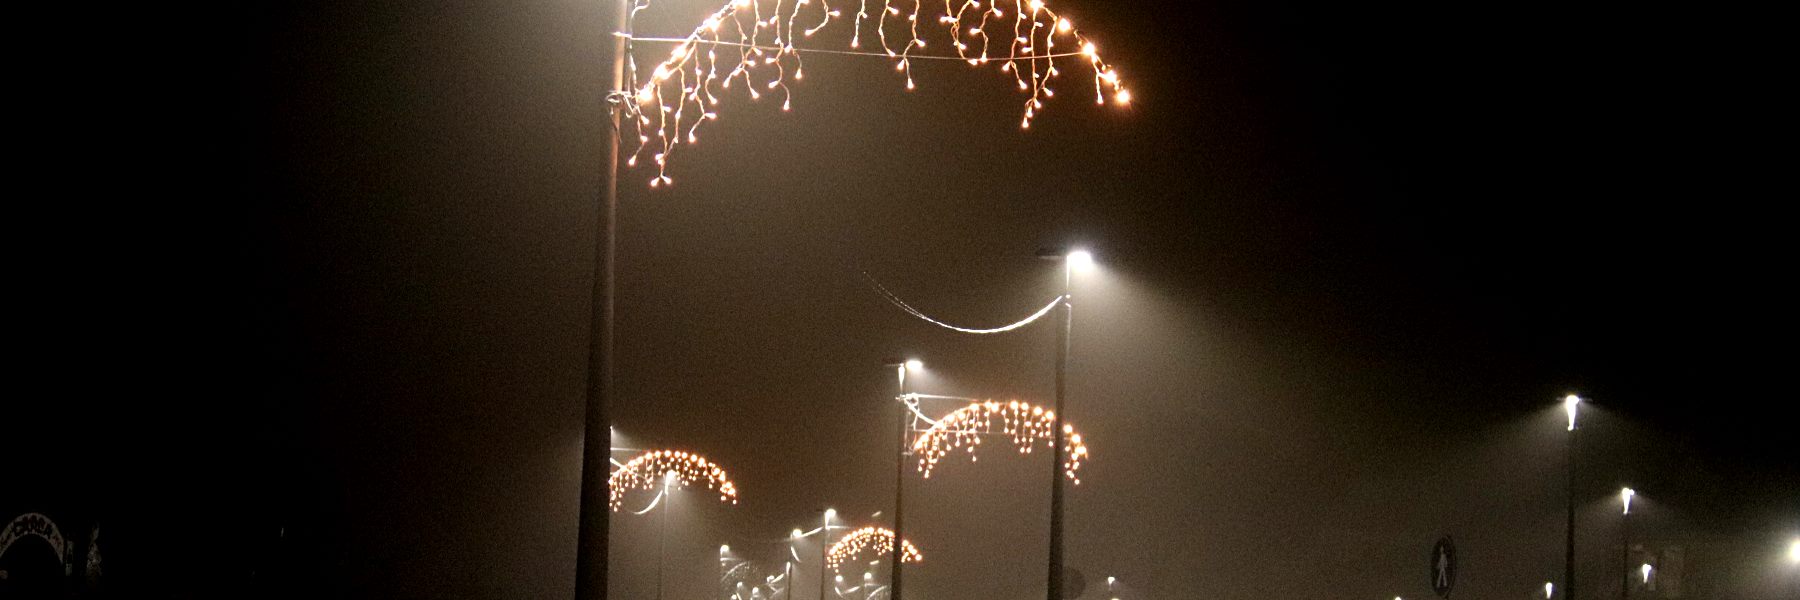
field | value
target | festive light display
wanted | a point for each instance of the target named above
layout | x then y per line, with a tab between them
755	41
869	539
646	471
1026	424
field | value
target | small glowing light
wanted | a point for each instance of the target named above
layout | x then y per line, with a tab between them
1646	569
1037	4
797	534
915	365
838	578
724	549
1549	589
1625	496
830	513
1794	552
1064	26
1089	50
1123	97
1570	402
875	540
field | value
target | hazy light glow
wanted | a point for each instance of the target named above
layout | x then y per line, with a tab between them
741	41
1549	589
1794	552
1646	569
1570	404
1625	496
915	365
670	468
724	549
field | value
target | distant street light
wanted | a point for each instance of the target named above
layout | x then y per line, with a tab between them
1549	590
1625	496
901	368
824	546
1794	552
1072	260
1646	569
1571	405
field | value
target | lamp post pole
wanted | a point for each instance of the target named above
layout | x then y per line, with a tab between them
1625	496
824	546
1055	572
595	509
1570	404
899	487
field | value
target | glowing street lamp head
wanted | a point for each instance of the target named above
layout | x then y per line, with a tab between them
1794	552
724	549
1080	261
830	513
915	365
797	534
1549	590
1625	496
1570	404
1646	569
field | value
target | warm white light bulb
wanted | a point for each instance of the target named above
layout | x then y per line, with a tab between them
1549	589
797	534
915	365
1570	402
1646	569
1625	496
1794	552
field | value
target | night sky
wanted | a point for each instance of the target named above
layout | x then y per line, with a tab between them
302	299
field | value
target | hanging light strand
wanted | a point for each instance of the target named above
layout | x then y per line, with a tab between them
875	540
683	91
1025	424
647	470
902	305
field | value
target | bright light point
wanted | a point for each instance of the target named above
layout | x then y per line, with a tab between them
1794	552
1570	404
725	549
1549	589
797	534
839	578
1646	569
1088	49
830	513
1064	26
1625	496
1081	260
1037	4
1123	97
915	365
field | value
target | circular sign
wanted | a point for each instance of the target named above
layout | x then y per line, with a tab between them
1443	567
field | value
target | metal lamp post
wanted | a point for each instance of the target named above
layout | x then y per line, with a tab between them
1070	260
824	537
1571	405
901	368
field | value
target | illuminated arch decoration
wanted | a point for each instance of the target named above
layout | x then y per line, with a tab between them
646	471
1026	424
875	540
39	526
741	41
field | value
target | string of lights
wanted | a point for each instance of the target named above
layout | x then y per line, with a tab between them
1026	424
869	539
742	40
896	301
646	471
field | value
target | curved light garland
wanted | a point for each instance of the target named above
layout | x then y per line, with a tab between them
646	471
759	48
1026	424
874	539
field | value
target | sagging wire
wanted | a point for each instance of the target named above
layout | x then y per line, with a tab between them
896	301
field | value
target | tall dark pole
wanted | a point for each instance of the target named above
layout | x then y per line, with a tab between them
1625	554
1056	468
824	537
1569	541
596	451
899	492
662	542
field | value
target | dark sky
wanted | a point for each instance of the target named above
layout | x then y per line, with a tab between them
305	294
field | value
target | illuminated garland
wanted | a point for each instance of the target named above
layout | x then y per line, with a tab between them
874	539
646	471
741	41
1027	425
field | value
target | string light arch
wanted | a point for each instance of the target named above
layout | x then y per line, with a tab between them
758	44
1026	424
645	472
875	540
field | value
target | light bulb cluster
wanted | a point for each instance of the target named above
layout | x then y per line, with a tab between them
1026	424
684	469
741	41
869	539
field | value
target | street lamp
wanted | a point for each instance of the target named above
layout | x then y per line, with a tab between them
1571	405
824	546
1625	496
901	369
1549	590
1794	552
1072	260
